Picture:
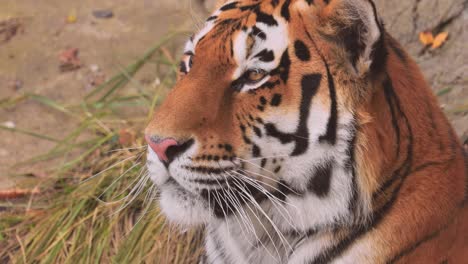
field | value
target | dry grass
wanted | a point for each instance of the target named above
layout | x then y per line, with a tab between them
98	208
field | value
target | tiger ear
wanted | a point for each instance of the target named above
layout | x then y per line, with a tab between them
354	26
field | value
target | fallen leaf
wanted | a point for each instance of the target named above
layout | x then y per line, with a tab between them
126	137
439	40
71	18
426	37
69	60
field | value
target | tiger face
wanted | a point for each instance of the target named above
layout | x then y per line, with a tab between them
264	110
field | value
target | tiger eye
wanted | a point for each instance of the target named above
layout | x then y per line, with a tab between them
255	75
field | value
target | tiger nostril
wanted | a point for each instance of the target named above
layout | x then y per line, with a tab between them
167	149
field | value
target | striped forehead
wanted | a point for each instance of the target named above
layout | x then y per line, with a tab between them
257	39
267	43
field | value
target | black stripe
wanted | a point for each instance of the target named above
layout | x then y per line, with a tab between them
265	18
349	166
301	50
255	151
395	107
309	85
182	67
332	124
270	85
231	48
258	32
229	6
398	51
284	66
210	181
320	181
208	170
417	244
265	55
211	18
237	191
285	10
405	168
257	131
276	100
249	7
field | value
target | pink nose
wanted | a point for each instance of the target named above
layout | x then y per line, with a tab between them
160	146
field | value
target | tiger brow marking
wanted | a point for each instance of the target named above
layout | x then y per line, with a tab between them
332	124
309	84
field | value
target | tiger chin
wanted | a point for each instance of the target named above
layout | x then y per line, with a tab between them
301	132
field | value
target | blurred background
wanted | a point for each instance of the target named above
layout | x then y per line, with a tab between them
77	82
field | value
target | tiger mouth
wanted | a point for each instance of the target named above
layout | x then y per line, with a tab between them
222	195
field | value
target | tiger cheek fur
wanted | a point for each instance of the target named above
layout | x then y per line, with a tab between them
300	132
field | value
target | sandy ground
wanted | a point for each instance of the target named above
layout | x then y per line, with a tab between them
30	58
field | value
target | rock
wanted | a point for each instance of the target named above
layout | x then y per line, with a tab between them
103	13
94	68
9	124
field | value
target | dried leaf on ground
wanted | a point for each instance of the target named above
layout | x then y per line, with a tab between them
439	40
71	18
426	37
69	60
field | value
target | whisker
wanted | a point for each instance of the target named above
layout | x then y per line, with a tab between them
245	219
256	205
274	180
118	178
136	190
110	167
265	157
269	219
275	201
125	149
258	166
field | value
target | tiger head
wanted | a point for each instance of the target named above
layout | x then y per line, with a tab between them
266	109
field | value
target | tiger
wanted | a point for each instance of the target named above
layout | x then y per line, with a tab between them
300	131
